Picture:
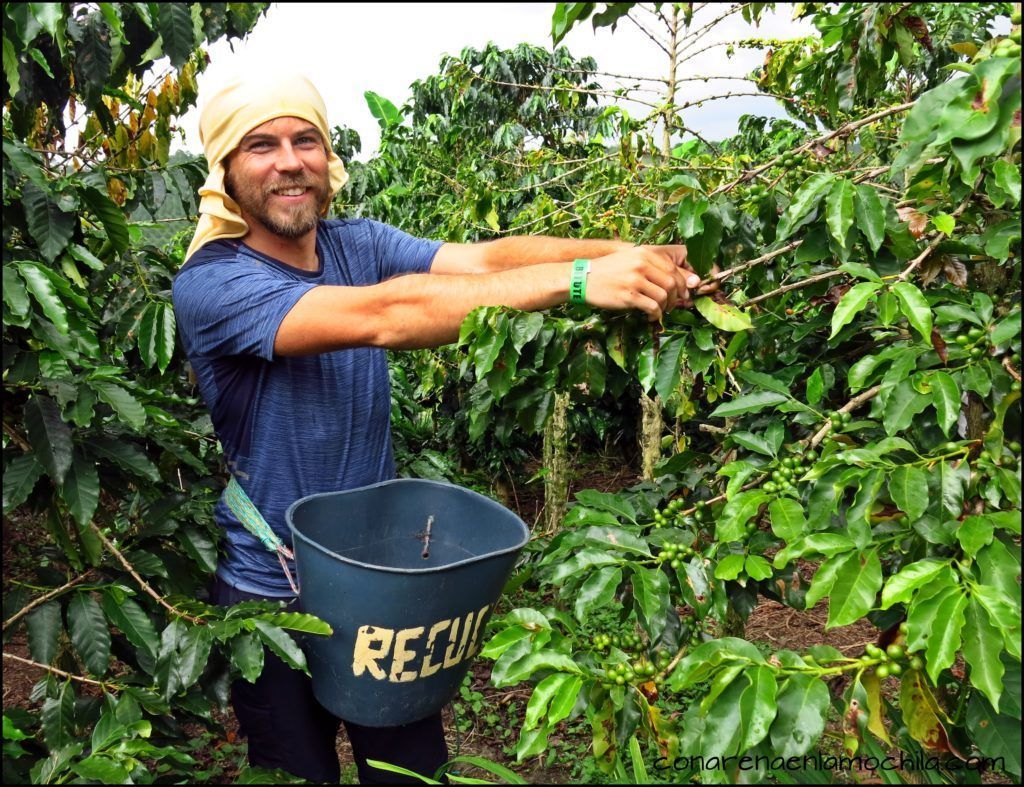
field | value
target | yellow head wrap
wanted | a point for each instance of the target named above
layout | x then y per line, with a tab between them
233	112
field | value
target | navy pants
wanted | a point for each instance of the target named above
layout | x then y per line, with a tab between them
288	729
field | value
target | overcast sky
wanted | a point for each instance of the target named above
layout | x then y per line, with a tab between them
349	48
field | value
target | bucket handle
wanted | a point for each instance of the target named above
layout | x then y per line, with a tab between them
250	517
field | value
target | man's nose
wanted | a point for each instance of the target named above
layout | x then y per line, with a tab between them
287	159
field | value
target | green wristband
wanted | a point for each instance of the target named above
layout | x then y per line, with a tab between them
578	283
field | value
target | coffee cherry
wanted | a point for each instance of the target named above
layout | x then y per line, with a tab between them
917	663
894	652
882	672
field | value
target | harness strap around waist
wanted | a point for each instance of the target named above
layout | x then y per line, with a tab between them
250	517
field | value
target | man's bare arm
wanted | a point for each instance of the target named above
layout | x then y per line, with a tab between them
423	310
516	251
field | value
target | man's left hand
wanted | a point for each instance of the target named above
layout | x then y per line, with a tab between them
690	280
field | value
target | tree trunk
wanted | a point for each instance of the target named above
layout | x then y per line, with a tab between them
733	625
556	464
652	423
651	426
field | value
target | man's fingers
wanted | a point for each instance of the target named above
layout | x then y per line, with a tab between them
648	306
650	292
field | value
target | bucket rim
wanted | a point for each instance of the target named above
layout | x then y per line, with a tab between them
391	569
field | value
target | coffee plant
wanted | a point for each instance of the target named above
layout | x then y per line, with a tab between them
862	384
106	446
837	427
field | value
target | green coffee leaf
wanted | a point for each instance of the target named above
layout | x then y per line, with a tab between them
50	226
857	584
281	644
174	23
803	705
908	486
839	211
133	622
750	403
650	589
597	591
247	655
723	316
944	637
915	307
982	646
787	518
902	585
903	405
81	489
852	303
43	290
870	215
49	435
946	398
157	335
89	633
44	626
20	477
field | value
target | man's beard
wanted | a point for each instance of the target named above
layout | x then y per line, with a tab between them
287	221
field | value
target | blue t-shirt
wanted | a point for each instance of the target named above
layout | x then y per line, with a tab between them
297	425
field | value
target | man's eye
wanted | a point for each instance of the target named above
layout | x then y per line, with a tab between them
308	140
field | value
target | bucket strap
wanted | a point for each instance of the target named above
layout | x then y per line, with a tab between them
250	517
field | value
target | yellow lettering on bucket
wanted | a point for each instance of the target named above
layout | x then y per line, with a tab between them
476	632
453	656
429	668
372	644
403	656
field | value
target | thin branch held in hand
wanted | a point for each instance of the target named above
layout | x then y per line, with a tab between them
795	286
723	275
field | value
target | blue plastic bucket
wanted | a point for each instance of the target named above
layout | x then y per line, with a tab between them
408	609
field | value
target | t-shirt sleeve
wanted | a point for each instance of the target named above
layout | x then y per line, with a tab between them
399	252
233	307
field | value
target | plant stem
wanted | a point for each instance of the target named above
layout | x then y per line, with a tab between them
44	598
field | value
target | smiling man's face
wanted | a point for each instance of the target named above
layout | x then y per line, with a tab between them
278	176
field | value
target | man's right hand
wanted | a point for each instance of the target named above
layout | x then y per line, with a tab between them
652	279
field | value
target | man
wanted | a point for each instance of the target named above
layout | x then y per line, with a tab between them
285	316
